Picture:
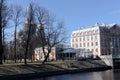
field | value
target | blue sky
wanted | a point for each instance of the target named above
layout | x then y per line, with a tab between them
79	13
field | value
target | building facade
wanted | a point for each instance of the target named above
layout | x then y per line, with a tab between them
99	39
39	55
62	53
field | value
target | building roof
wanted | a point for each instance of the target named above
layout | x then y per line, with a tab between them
68	50
40	48
72	50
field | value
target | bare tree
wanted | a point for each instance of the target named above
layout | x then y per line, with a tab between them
17	19
4	12
30	29
21	44
51	32
6	16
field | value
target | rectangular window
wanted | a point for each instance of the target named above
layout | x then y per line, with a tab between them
88	44
76	40
80	39
72	40
91	43
76	45
92	50
91	37
73	45
88	38
95	37
84	44
96	43
80	45
96	50
83	38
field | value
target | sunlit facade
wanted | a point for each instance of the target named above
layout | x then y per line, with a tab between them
39	55
99	39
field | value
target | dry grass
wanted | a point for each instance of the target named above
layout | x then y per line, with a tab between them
18	68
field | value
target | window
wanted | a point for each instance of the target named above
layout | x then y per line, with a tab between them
96	50
83	38
84	44
91	43
88	38
91	37
102	52
76	45
88	44
72	40
96	43
80	45
97	31
80	39
76	39
95	37
92	50
73	45
77	34
73	35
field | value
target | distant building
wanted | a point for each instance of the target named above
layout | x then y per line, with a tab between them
99	39
30	28
39	55
62	53
29	22
83	53
73	54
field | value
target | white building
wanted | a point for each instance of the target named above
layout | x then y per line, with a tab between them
88	38
102	40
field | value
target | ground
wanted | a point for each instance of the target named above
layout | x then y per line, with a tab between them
20	68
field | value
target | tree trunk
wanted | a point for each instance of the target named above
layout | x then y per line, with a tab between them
46	57
27	45
45	60
3	38
1	46
15	43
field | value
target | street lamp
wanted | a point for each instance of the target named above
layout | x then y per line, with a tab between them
111	48
111	53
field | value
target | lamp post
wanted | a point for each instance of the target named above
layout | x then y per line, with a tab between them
111	53
111	48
